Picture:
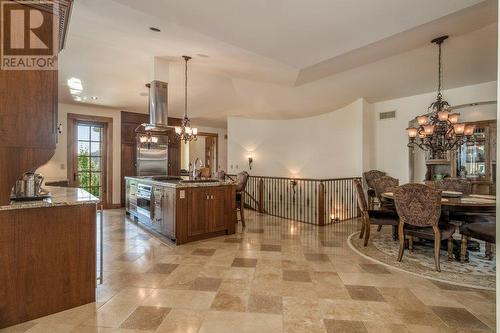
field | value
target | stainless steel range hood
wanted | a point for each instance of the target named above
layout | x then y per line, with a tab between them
158	106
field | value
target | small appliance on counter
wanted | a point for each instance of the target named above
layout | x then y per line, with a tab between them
29	188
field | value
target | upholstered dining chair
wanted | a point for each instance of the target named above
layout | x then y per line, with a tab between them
419	211
384	184
369	216
483	229
221	175
454	184
369	177
241	184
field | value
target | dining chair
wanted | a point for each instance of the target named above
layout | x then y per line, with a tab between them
454	184
484	229
221	175
385	184
370	216
369	177
241	184
419	210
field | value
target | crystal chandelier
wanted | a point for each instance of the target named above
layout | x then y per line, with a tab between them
439	131
185	132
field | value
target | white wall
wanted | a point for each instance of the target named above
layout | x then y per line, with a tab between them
325	146
390	138
55	169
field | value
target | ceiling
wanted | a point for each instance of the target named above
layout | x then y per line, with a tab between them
275	59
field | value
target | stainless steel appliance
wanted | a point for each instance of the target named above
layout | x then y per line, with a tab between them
144	199
29	188
155	207
152	138
152	157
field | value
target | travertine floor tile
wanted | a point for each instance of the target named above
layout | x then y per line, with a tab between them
186	299
182	321
230	322
274	276
344	326
145	318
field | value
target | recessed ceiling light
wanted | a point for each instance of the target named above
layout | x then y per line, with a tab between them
202	55
154	29
75	83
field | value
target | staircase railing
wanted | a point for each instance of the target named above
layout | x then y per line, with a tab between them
315	201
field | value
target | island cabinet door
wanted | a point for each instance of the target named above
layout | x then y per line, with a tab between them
218	219
198	211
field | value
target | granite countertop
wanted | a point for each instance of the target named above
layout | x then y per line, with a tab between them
177	182
61	196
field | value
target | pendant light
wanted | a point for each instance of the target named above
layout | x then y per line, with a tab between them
185	132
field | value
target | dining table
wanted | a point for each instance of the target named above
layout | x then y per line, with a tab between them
457	202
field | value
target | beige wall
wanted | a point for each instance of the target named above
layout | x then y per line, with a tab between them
325	146
56	168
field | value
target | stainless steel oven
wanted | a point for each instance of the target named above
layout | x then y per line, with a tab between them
144	200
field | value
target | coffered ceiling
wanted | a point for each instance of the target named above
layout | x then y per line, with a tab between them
275	58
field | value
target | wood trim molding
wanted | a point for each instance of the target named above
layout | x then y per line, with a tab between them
216	136
108	123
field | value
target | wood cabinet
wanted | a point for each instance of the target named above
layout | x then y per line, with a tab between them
473	161
48	260
129	122
204	212
28	115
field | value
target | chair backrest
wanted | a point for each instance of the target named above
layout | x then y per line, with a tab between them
360	195
418	204
221	175
384	184
371	175
241	181
454	184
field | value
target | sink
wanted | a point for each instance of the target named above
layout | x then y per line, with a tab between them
191	181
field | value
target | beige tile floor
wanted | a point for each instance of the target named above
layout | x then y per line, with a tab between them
275	276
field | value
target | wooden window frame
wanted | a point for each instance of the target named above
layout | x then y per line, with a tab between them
73	118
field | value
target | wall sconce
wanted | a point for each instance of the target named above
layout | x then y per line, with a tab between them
250	160
333	218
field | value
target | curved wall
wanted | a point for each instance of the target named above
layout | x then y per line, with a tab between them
326	146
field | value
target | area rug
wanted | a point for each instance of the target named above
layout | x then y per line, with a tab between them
477	273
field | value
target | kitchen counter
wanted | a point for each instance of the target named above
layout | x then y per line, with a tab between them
182	211
178	182
61	196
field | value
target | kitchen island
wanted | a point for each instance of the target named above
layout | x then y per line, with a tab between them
48	255
180	209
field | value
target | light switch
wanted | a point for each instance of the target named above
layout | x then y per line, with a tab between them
62	166
182	194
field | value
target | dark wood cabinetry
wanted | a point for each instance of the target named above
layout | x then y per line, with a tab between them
48	260
129	122
205	212
28	116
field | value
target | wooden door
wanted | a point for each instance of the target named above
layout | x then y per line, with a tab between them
217	210
198	211
90	156
174	155
128	165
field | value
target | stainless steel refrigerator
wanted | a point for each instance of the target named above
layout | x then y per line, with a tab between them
152	154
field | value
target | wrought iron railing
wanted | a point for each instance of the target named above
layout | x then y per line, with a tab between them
315	201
